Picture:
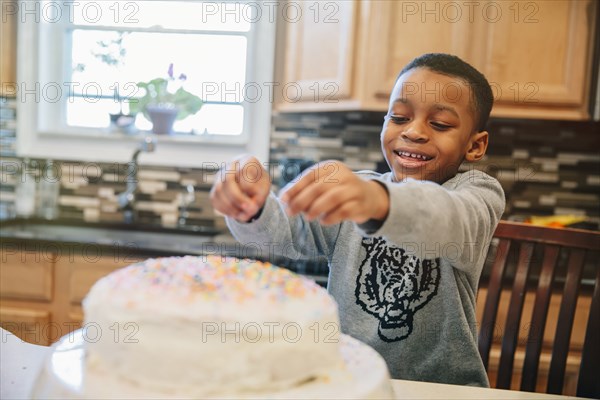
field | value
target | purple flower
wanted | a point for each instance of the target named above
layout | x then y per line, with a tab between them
182	77
170	72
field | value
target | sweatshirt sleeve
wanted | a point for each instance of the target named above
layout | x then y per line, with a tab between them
455	220
274	233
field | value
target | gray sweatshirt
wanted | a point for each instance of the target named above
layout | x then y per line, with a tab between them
406	287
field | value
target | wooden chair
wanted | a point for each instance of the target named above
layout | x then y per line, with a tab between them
578	252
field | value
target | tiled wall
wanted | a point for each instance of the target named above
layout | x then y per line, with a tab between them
545	167
89	191
8	126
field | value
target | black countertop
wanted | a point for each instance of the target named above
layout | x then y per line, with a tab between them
135	242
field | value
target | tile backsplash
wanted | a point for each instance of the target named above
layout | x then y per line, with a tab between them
545	168
8	126
88	191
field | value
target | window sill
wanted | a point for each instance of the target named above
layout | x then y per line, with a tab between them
206	151
176	137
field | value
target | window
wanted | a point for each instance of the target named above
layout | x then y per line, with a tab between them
91	54
137	41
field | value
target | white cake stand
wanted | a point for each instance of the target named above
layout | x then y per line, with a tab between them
364	375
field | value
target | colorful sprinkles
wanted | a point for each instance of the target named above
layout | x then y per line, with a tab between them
214	278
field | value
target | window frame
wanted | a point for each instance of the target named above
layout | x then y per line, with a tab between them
40	139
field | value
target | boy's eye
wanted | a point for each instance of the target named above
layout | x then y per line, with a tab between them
440	127
398	119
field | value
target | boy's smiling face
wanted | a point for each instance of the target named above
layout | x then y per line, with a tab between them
429	129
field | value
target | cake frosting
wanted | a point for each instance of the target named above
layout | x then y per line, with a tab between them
210	325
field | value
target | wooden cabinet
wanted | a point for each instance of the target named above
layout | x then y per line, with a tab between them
41	288
320	56
29	324
539	58
26	292
396	33
80	276
27	274
536	55
8	47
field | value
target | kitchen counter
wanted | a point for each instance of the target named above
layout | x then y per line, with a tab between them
155	239
138	241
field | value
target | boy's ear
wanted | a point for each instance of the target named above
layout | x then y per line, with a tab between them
477	146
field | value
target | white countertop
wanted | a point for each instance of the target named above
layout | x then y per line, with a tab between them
20	363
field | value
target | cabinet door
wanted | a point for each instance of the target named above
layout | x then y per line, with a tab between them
84	273
319	51
537	57
26	274
399	31
8	48
75	277
30	325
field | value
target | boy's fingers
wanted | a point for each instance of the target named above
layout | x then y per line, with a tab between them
289	191
236	197
224	205
258	199
234	193
230	172
327	202
251	174
251	208
258	192
296	186
302	201
325	172
245	206
342	213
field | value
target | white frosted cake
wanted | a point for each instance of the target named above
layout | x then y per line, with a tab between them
211	327
235	324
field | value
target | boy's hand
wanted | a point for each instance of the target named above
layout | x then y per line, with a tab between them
241	188
331	192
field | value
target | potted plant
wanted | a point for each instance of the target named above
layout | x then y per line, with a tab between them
162	105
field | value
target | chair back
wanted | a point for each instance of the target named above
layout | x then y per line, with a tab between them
546	260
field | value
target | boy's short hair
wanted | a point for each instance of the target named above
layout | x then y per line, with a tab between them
447	64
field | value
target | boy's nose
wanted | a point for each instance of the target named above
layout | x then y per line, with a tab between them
415	135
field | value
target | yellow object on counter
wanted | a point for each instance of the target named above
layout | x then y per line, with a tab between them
556	220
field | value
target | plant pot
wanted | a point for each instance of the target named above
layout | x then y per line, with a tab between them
162	119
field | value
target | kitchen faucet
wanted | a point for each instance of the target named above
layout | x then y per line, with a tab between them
187	199
126	199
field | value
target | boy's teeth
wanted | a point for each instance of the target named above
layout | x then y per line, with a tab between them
413	155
